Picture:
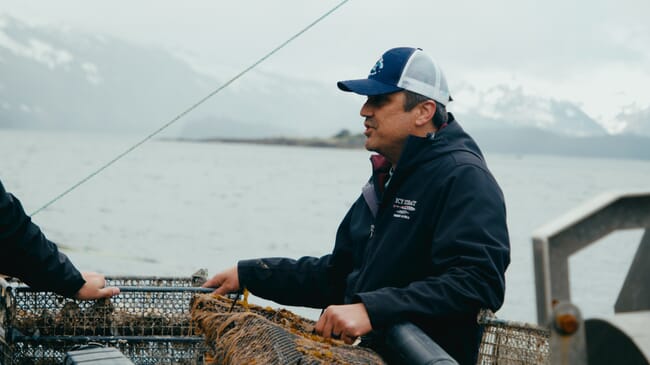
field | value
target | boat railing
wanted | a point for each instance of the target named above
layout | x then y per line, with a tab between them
626	333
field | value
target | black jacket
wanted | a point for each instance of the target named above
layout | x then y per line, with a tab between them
435	253
27	254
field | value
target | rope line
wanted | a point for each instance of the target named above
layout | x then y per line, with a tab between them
191	108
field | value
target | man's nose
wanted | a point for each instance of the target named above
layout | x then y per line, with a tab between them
366	110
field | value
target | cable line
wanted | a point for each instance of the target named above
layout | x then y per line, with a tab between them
191	108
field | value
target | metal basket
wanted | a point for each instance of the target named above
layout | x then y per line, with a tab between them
195	280
149	321
512	343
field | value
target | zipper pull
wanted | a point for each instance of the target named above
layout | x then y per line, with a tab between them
372	231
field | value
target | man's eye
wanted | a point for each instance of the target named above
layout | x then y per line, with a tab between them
377	100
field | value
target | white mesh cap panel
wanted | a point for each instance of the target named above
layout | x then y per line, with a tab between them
421	75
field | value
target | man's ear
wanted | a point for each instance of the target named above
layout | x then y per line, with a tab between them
426	110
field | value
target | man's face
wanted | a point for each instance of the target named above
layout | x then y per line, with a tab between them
387	124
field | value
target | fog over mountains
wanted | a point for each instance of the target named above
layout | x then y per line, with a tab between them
53	78
63	79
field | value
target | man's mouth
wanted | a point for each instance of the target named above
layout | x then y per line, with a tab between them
368	129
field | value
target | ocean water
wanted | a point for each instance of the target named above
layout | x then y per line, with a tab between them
170	208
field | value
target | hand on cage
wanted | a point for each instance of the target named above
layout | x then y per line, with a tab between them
345	322
95	287
225	282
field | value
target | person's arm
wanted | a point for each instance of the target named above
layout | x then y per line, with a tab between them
346	322
469	252
26	253
308	281
302	282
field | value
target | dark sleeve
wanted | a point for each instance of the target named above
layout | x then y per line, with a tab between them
309	281
27	254
469	254
301	282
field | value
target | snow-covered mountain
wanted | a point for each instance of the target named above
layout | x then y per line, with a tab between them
54	78
503	106
637	120
57	78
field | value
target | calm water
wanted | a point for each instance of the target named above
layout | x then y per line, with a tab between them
170	208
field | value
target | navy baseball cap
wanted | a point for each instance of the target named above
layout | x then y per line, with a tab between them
402	68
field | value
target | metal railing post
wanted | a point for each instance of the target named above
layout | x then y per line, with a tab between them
556	241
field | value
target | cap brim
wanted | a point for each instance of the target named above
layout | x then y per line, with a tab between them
367	87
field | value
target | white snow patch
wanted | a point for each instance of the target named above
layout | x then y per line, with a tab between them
48	55
601	92
570	113
92	73
37	50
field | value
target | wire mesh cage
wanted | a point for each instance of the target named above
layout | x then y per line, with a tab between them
512	343
147	351
195	280
148	321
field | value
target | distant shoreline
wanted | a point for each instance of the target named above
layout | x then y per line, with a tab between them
350	142
517	141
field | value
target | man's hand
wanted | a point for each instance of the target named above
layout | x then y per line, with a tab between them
346	322
94	288
225	282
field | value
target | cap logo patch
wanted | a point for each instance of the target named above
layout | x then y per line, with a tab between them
377	67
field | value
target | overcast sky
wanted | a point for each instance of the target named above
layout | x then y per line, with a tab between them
594	53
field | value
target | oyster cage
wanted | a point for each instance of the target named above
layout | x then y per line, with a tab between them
149	322
512	343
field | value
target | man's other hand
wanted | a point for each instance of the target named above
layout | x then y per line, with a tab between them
95	287
345	322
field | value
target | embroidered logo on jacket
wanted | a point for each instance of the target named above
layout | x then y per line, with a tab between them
403	208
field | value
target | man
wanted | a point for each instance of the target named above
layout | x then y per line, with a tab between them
425	242
27	254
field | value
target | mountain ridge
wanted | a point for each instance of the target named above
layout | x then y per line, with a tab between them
56	79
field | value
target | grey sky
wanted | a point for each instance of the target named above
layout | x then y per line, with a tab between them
594	53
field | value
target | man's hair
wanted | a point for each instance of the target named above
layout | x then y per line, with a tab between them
412	99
